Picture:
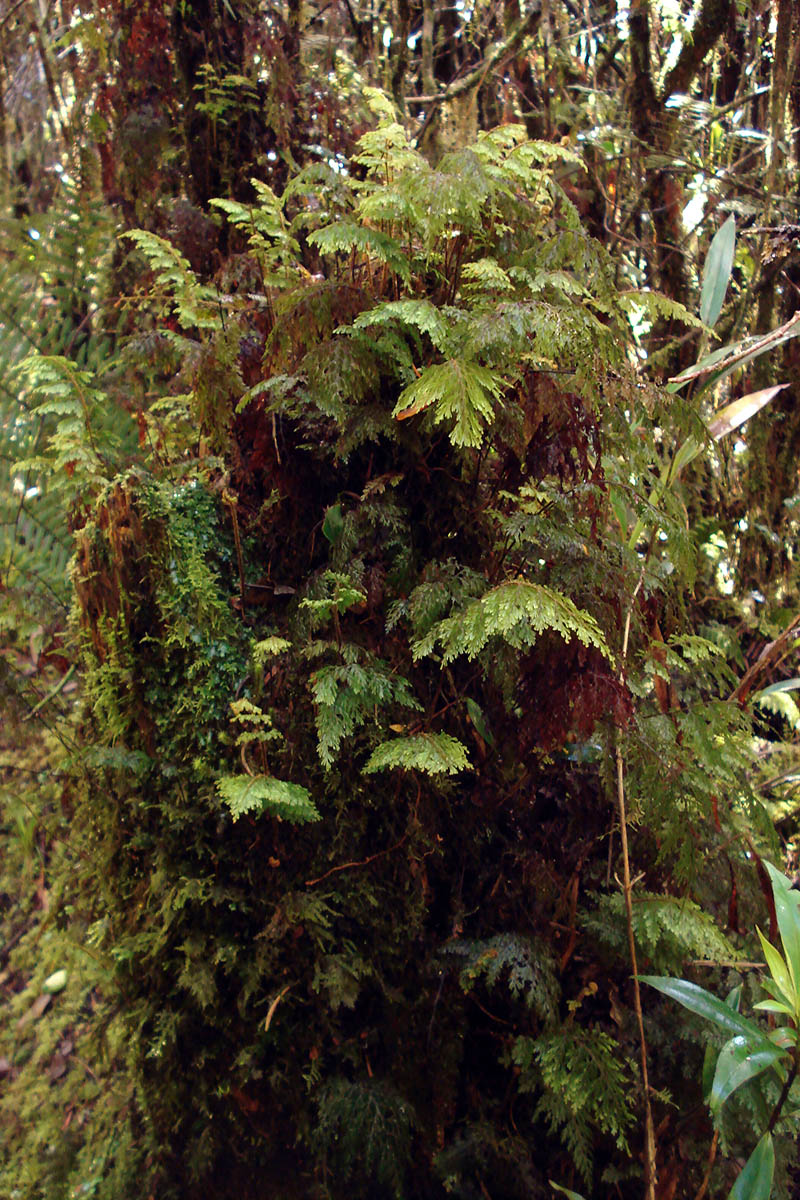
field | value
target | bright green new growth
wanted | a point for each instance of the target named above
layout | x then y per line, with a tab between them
263	794
432	753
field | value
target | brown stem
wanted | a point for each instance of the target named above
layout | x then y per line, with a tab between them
790	1078
627	890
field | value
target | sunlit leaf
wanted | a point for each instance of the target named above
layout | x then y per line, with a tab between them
717	272
733	415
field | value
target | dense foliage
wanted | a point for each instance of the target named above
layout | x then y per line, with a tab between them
422	670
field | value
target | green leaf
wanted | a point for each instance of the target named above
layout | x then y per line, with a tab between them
778	970
787	910
717	272
565	1191
262	793
433	753
333	524
738	1063
478	718
462	392
55	982
706	1005
755	1181
784	685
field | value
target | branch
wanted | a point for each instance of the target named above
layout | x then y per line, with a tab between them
704	34
502	50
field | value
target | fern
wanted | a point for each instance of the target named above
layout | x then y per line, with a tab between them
365	1129
263	794
516	611
587	1086
525	964
431	753
668	930
197	306
348	695
462	392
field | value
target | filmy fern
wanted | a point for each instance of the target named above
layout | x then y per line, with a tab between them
516	611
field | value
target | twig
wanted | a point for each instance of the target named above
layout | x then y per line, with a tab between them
627	889
51	695
363	863
712	1154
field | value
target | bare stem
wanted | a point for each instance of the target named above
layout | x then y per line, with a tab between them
627	889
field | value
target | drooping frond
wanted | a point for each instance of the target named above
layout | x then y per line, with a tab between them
516	611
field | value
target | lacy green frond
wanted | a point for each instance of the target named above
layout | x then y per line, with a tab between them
656	305
196	305
346	236
463	393
420	314
348	695
586	1084
262	794
516	611
432	753
526	965
669	930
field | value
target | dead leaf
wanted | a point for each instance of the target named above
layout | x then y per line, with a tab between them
39	1006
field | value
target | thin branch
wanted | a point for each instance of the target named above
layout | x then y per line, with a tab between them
627	889
477	74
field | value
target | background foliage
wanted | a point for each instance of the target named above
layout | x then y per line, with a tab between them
366	538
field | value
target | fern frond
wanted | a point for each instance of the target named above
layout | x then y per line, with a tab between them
527	965
347	696
347	236
263	794
420	314
462	392
432	753
516	611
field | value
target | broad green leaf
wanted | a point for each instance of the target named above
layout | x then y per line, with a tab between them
55	982
787	910
706	1005
717	272
737	354
755	1181
478	718
726	419
565	1191
738	1062
333	524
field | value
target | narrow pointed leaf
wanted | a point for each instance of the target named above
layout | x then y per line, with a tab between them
787	910
699	1001
738	1063
755	1181
778	970
733	415
717	272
